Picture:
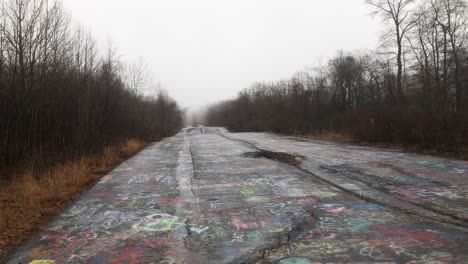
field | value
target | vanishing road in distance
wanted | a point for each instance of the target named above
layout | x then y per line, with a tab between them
210	196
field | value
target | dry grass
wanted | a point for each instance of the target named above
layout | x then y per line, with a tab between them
34	196
330	135
131	146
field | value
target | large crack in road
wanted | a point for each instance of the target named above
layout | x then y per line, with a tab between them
210	196
189	210
369	187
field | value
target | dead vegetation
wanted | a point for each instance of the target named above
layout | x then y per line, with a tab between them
330	135
32	196
60	96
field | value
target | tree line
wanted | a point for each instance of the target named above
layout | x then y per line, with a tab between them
60	97
413	89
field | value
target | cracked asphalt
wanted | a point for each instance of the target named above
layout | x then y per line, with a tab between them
199	197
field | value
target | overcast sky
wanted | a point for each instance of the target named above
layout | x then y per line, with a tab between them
207	50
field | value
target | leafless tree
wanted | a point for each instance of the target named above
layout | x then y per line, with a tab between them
398	13
137	76
58	98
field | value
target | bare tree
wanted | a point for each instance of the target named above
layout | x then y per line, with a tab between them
398	12
58	98
137	76
455	23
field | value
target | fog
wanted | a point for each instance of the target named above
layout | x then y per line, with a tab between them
207	50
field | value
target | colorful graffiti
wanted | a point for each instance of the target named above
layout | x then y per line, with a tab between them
196	198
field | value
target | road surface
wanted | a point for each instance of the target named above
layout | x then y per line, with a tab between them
210	196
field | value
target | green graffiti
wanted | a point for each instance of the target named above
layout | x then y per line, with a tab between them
159	223
248	191
295	260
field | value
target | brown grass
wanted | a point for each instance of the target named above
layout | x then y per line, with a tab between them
131	146
34	196
330	135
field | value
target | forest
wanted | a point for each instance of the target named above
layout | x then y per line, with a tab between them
62	97
411	90
70	111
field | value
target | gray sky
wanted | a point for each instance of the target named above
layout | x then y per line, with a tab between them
203	51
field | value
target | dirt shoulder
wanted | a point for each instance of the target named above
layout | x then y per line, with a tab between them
33	197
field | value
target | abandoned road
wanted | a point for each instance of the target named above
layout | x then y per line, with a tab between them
210	196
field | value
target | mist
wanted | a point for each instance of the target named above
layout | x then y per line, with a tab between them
208	50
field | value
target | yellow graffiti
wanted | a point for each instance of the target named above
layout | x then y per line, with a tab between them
42	261
277	230
320	248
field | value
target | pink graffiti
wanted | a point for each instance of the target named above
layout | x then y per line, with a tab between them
423	236
330	237
240	224
308	200
393	231
176	201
